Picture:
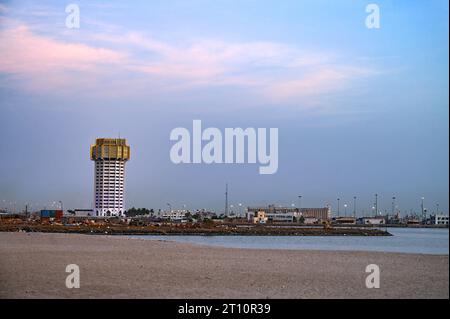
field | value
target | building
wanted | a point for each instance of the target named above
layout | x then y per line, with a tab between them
280	217
260	218
395	220
78	212
174	215
110	156
289	214
439	220
345	220
322	213
51	214
271	214
377	220
310	221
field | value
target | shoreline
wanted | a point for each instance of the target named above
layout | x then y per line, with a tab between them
168	230
33	266
284	249
167	239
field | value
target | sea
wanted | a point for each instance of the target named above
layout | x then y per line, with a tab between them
404	240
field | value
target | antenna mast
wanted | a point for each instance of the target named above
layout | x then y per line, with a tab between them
226	199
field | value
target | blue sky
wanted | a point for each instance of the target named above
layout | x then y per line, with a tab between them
360	111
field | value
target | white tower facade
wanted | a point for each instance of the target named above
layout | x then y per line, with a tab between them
110	156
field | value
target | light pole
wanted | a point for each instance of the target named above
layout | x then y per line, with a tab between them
345	210
338	207
393	205
421	206
376	204
240	209
62	207
299	203
437	208
354	206
226	199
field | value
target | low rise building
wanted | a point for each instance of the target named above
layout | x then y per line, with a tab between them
345	220
280	217
79	212
310	220
321	213
174	215
439	219
280	214
376	220
260	218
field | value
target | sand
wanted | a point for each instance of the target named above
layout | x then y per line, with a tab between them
32	265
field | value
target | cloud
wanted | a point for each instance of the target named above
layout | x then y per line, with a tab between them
131	62
43	64
321	80
278	70
3	8
27	53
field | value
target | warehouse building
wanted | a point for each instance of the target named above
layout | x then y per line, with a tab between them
273	213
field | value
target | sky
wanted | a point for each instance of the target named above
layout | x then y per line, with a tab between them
359	111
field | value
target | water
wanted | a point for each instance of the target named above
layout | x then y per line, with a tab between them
405	240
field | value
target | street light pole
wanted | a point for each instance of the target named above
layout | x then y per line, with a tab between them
354	206
376	204
423	211
338	207
226	199
299	203
393	205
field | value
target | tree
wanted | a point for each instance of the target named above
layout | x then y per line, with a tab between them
132	212
301	219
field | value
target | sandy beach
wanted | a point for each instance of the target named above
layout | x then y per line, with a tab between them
32	265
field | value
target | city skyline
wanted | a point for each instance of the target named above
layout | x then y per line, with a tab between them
348	208
359	111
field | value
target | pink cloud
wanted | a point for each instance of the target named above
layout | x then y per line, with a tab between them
321	80
139	62
24	52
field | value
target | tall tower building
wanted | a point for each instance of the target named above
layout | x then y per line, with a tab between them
110	155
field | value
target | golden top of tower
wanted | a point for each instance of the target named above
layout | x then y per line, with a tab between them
110	148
